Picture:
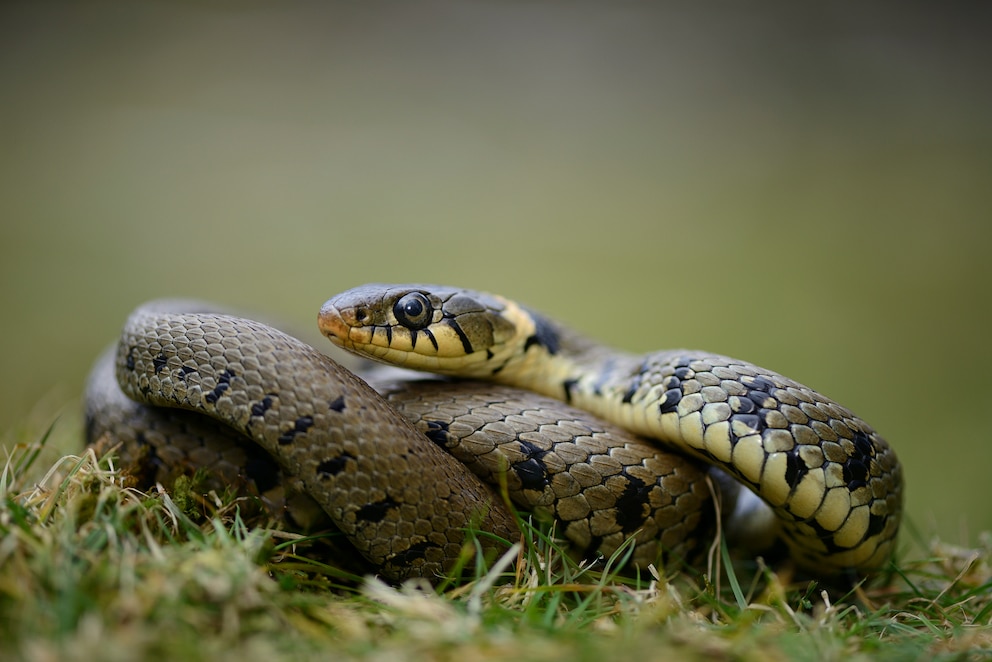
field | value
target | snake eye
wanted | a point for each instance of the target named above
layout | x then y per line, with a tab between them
413	311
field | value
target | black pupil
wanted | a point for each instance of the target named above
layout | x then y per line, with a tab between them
413	311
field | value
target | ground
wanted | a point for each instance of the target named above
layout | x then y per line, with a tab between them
90	568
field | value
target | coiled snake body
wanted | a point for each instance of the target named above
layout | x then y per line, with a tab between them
384	468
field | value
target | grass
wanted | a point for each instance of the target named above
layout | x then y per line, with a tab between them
93	569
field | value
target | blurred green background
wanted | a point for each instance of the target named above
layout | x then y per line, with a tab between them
806	186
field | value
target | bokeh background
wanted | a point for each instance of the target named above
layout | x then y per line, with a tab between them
805	186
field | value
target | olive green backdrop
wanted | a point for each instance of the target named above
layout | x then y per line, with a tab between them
809	189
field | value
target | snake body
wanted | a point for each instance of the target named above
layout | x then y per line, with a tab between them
392	468
405	504
269	410
833	482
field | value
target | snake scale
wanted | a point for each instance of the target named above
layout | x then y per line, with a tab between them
398	470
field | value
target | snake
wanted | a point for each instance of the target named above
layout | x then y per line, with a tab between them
187	388
834	484
610	446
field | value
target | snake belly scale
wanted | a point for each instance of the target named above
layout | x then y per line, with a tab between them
833	482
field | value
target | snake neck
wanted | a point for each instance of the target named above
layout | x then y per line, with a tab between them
562	364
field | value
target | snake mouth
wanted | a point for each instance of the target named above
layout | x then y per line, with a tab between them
332	324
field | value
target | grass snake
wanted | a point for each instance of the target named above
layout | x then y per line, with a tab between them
606	443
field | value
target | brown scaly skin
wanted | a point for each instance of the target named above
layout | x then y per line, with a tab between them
402	502
833	482
600	484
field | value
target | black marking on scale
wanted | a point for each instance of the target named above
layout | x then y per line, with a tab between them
223	383
863	448
532	473
301	425
437	431
263	405
682	369
752	421
635	383
430	336
568	385
506	361
795	468
826	536
671	399
338	404
466	343
376	512
632	506
855	473
333	466
545	334
412	553
746	405
761	384
159	362
761	400
876	524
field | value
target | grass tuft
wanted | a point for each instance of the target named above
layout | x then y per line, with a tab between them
91	568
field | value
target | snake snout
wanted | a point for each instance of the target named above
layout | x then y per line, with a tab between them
333	323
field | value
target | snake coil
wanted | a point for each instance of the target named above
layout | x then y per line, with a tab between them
397	470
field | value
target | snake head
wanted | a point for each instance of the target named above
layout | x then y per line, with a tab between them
424	327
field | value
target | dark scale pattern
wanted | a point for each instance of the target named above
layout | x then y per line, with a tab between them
158	445
437	431
532	474
223	383
568	386
670	401
376	512
290	400
159	362
265	404
333	466
544	335
834	483
300	426
531	470
795	468
600	483
416	554
632	504
857	467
